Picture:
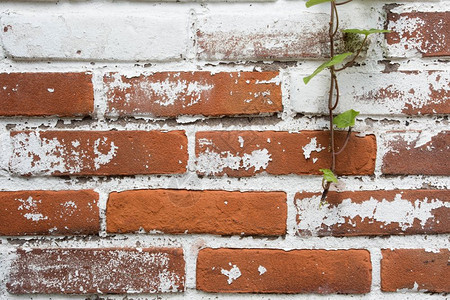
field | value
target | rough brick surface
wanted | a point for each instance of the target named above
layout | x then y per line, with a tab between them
98	152
171	94
395	93
246	153
417	152
49	212
93	271
262	36
278	271
46	94
181	211
425	33
415	269
374	213
86	36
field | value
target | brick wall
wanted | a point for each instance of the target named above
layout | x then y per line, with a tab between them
171	150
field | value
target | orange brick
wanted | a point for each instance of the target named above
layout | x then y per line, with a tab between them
98	152
246	153
171	94
415	269
286	272
46	94
182	211
49	212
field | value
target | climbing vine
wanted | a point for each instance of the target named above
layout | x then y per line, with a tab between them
347	118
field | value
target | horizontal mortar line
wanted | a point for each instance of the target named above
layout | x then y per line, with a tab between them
223	124
257	183
432	242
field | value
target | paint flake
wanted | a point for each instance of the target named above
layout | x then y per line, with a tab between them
232	274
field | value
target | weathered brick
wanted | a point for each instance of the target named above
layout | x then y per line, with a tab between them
378	212
90	36
288	272
415	269
182	211
395	93
417	153
425	33
171	94
98	152
246	153
46	94
94	271
262	36
49	212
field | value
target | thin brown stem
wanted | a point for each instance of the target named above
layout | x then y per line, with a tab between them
336	87
350	63
347	138
336	26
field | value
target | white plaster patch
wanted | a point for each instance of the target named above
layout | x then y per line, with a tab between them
393	93
168	92
241	141
210	163
102	158
310	147
404	212
30	205
232	274
41	156
261	270
35	217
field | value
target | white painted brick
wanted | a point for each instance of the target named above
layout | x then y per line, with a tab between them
393	93
95	36
262	36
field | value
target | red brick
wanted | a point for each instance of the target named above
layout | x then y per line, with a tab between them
374	213
171	94
98	152
49	212
416	153
428	34
182	211
97	271
246	153
262	36
287	272
46	94
415	269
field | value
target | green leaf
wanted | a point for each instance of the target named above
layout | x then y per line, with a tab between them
366	32
345	119
328	175
333	61
315	2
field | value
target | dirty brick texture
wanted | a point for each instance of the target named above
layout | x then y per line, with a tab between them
166	150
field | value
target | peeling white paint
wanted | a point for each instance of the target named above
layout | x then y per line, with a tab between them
374	93
310	147
101	158
168	92
30	205
36	155
210	162
35	217
404	212
232	274
261	270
